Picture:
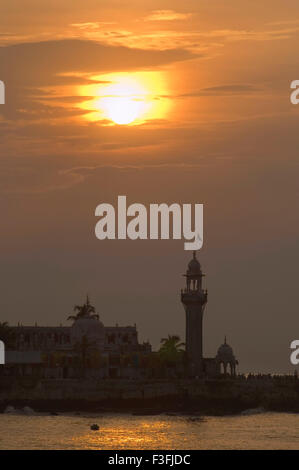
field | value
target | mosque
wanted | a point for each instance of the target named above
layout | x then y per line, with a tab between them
194	299
114	351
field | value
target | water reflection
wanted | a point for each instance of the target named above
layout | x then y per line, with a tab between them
262	431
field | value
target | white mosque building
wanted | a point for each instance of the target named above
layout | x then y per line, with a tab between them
114	351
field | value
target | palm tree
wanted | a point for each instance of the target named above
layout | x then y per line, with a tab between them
84	311
173	343
83	348
171	349
7	334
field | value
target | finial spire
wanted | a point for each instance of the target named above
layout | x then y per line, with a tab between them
225	339
194	254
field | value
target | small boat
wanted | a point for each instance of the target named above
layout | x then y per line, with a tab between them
94	427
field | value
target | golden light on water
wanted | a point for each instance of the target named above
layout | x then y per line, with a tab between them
126	99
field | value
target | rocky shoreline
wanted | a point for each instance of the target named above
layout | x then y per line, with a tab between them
218	397
168	405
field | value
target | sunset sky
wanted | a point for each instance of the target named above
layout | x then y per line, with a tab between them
162	101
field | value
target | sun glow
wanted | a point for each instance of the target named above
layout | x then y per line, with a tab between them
122	110
126	99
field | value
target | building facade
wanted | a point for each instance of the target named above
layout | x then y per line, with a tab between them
87	347
90	349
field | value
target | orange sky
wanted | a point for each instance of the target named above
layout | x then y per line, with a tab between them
207	85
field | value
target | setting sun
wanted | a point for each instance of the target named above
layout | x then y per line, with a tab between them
122	110
126	98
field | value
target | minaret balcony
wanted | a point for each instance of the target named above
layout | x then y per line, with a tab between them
191	295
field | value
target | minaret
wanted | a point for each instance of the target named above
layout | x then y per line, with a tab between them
194	299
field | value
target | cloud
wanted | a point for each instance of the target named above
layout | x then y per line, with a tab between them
40	158
199	41
230	89
167	15
33	180
28	67
221	90
37	63
92	25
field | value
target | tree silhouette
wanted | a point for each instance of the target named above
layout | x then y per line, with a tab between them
171	349
84	311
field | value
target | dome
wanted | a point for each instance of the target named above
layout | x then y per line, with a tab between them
194	265
225	353
90	327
